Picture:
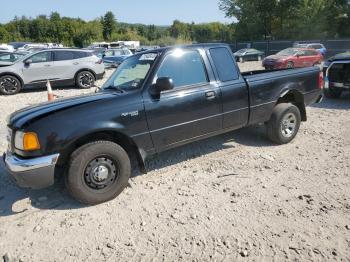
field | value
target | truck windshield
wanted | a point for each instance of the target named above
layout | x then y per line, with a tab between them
131	73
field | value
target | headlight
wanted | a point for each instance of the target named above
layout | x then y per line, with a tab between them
26	141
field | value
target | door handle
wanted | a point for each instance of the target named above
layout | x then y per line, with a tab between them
210	95
75	63
47	65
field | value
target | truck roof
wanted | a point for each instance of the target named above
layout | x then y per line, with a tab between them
204	45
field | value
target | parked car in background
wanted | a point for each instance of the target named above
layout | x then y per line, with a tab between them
337	75
5	47
60	66
293	57
17	45
154	101
249	54
114	57
317	46
32	45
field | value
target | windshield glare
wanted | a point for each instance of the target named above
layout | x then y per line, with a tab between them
288	52
132	72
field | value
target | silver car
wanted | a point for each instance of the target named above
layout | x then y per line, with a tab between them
61	66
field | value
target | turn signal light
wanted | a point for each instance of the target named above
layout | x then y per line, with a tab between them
30	142
320	81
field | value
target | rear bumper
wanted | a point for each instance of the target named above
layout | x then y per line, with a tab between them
35	173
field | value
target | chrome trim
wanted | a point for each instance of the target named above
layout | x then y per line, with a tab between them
16	164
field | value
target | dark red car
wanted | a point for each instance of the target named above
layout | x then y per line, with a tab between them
293	57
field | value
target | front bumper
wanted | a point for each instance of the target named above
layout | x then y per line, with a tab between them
35	173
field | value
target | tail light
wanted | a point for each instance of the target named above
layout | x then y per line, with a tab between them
320	80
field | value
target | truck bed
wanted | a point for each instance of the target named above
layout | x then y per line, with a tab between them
266	87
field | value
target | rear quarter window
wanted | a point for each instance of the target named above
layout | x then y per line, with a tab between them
63	55
224	64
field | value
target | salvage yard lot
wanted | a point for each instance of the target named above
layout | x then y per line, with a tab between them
231	197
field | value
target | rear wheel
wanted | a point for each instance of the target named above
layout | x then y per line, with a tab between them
98	172
331	92
9	85
85	80
284	123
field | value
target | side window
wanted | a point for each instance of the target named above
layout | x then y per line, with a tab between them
109	53
224	64
63	55
301	53
41	57
184	68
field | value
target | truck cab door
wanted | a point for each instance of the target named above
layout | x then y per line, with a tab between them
234	89
191	109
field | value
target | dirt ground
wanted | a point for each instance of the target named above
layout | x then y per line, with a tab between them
235	197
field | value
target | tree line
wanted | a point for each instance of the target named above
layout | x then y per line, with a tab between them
251	20
80	33
289	19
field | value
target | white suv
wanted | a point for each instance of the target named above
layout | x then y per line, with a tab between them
60	66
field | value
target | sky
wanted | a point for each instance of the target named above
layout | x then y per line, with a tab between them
158	12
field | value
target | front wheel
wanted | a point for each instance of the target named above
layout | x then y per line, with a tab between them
9	85
85	80
284	123
98	172
290	65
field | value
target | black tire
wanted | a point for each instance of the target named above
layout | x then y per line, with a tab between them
332	92
280	128
85	80
9	85
290	64
81	179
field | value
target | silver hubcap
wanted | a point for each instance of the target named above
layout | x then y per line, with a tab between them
86	80
288	125
100	173
9	85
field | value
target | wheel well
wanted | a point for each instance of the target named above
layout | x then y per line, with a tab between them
297	99
85	69
14	75
124	141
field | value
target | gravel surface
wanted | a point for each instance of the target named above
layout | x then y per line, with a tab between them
235	197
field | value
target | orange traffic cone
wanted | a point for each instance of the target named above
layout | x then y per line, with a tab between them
50	96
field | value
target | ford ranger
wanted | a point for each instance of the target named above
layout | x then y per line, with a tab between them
154	101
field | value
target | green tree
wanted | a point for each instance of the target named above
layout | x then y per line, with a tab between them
109	25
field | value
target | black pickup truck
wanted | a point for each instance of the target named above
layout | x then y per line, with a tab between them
154	101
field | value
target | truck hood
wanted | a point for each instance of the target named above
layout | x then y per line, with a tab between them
26	115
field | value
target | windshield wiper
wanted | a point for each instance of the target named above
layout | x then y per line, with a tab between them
113	88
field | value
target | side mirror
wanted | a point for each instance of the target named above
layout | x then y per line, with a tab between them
163	84
28	62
